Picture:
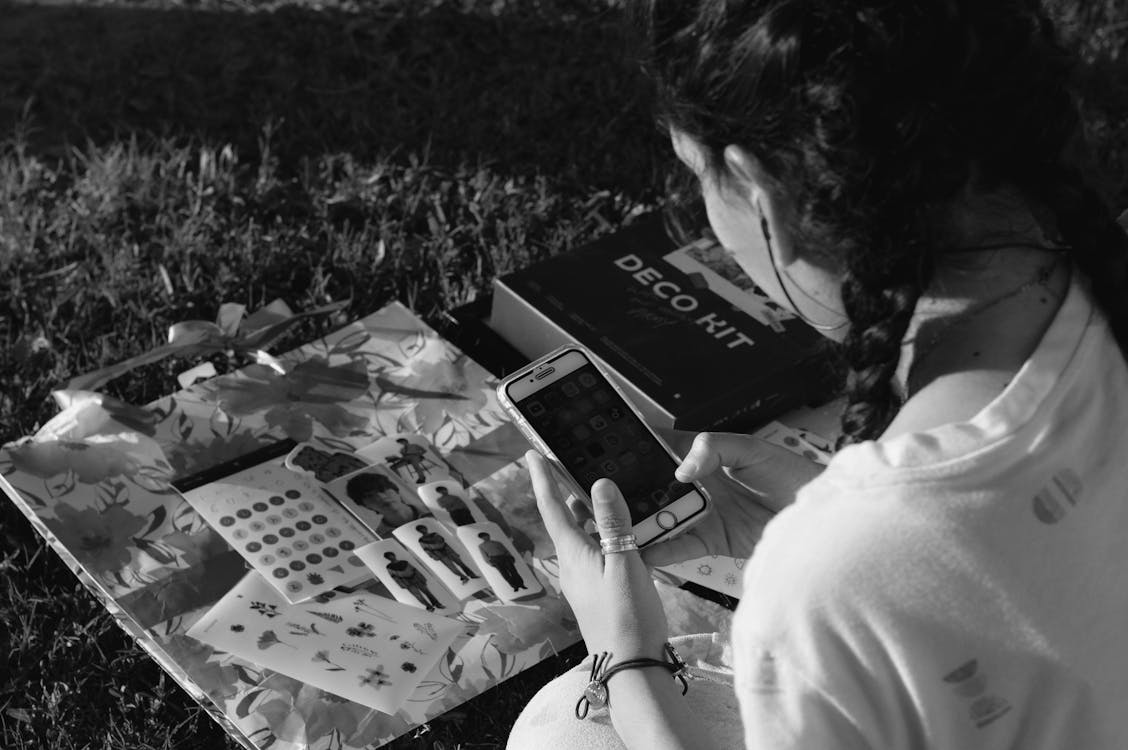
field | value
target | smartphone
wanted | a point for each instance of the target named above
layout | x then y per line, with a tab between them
570	410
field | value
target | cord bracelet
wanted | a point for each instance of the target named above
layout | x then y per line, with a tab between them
596	693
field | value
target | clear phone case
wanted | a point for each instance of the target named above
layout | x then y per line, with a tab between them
535	439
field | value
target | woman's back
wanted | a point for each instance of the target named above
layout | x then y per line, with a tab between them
957	587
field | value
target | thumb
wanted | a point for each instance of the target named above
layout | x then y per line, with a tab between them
609	509
712	450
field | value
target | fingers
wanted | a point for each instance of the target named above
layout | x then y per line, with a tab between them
687	546
712	450
557	518
579	509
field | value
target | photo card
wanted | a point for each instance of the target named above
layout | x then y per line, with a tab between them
451	502
407	579
379	498
504	568
441	550
410	457
361	647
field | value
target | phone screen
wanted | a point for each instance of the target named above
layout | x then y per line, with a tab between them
591	430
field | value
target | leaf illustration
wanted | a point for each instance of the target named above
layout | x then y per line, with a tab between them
163	414
60	486
154	551
351	342
428	690
184	427
331	617
243	709
244	675
159	513
377	355
323	657
335	443
451	669
390	386
270	638
35	499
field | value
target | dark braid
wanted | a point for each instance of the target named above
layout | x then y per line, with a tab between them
871	116
1100	244
879	316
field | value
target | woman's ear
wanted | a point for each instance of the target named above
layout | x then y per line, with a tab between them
750	184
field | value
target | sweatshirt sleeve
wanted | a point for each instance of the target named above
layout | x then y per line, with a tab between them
780	710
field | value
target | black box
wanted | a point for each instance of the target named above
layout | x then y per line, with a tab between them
684	331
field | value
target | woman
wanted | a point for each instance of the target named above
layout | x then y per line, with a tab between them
898	173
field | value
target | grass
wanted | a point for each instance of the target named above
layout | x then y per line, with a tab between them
157	159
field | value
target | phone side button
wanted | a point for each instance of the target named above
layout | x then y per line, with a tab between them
666	519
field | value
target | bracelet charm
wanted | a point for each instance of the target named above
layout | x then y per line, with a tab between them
596	693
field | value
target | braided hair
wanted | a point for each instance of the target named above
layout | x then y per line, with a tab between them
871	116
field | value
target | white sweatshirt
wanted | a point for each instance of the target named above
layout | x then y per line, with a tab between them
960	588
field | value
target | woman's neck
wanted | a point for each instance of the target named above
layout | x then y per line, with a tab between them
980	319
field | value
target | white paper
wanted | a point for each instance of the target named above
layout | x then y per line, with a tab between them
364	648
501	564
440	550
407	578
286	527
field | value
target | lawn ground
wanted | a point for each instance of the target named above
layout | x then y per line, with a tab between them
157	159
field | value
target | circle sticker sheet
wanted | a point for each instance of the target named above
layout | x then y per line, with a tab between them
285	526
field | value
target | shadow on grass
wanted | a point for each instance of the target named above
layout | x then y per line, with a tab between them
523	89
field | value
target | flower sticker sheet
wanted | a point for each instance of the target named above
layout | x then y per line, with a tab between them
367	649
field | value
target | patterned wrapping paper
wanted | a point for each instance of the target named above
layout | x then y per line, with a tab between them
95	486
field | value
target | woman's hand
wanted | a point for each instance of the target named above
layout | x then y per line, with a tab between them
756	476
612	596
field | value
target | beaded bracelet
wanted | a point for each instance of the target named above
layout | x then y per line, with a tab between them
596	693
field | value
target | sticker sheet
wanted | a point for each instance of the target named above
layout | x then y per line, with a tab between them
367	649
720	573
286	527
323	465
410	457
409	580
504	568
441	551
450	502
799	441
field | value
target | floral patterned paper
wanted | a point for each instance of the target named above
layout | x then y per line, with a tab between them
94	484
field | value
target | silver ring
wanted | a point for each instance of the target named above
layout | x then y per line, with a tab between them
616	544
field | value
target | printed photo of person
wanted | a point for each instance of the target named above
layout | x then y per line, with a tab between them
499	562
498	555
413	457
455	505
379	493
437	548
408	577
